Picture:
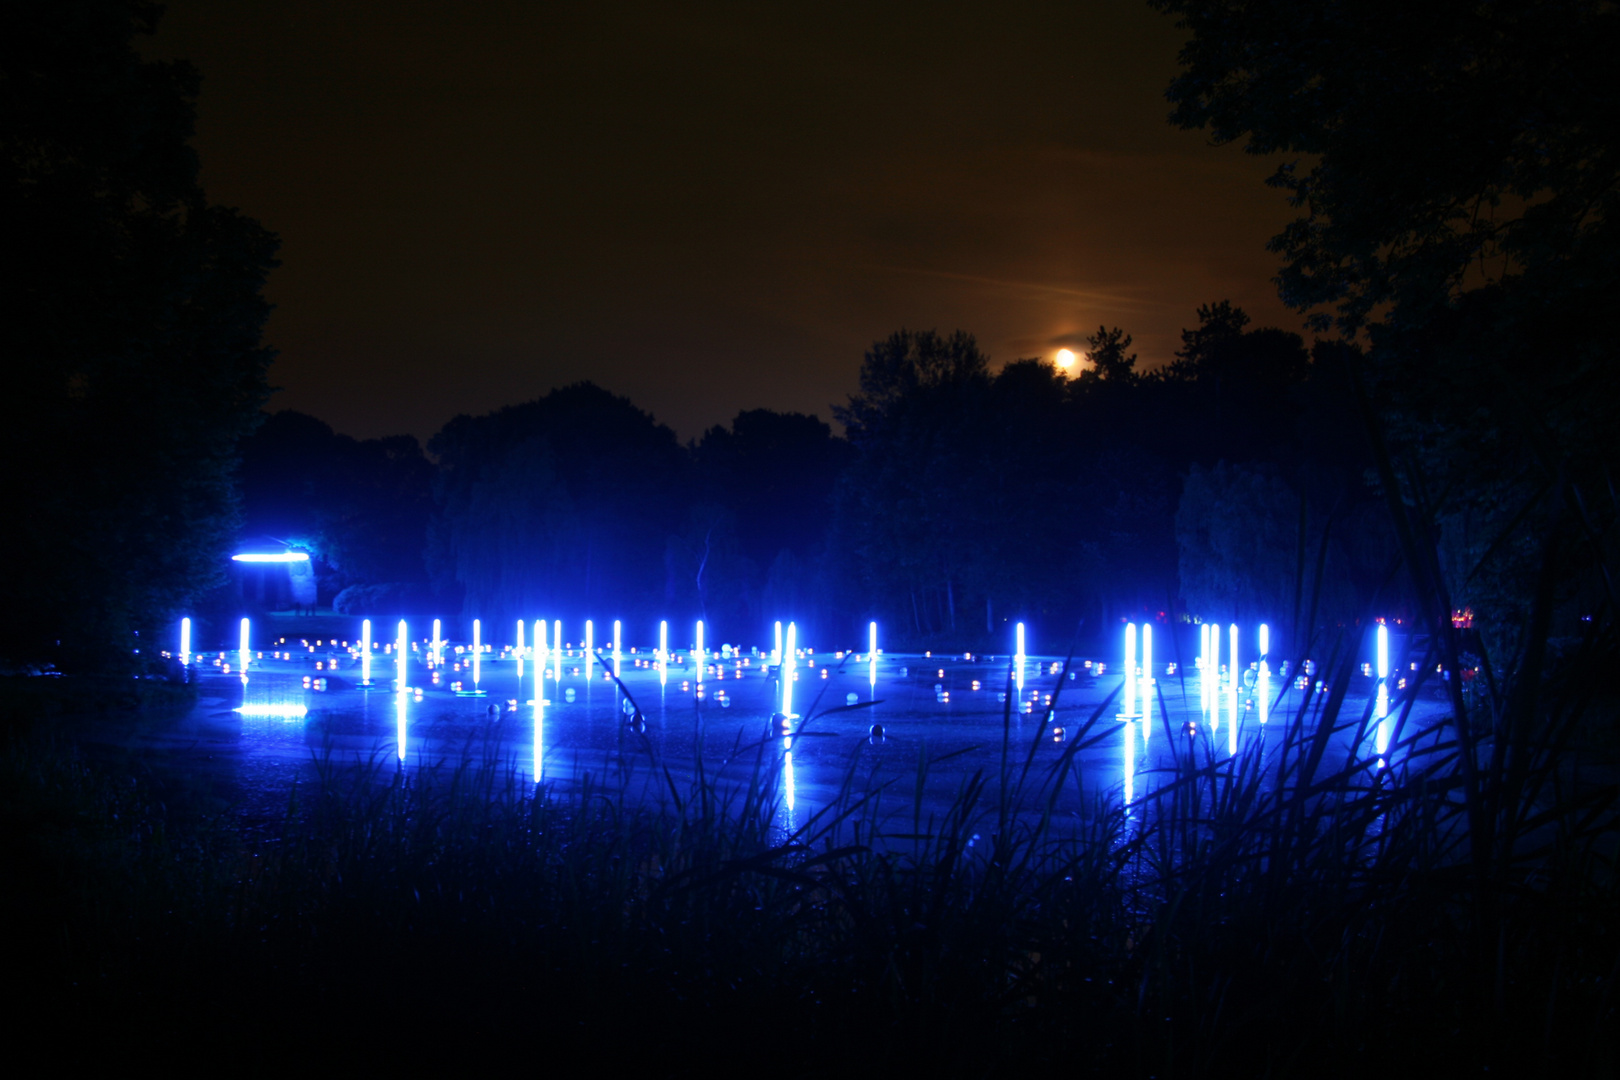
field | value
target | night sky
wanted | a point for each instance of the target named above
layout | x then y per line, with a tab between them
706	207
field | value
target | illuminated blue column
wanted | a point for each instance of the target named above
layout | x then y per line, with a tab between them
1147	679
790	665
663	652
185	642
542	657
242	652
1233	683
365	652
1019	661
1262	685
1381	712
697	654
871	659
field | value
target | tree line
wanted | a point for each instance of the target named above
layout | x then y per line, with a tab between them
962	496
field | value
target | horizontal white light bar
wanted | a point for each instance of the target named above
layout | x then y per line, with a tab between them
285	556
289	712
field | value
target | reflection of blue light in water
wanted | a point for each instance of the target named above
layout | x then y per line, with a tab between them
401	648
517	652
438	645
1130	765
788	786
776	653
663	652
365	652
274	697
1019	660
1130	669
264	709
1147	680
243	651
1232	694
185	642
871	658
1381	736
539	721
789	665
399	723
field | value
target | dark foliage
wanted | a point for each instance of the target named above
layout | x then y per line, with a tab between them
131	312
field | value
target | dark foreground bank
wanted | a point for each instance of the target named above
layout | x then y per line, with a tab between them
1322	923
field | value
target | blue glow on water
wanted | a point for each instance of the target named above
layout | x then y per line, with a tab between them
1381	715
185	642
1129	786
365	652
399	723
279	557
1130	669
537	768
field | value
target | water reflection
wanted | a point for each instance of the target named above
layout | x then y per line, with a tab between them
399	723
537	764
1129	789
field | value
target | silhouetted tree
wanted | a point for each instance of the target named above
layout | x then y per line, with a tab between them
131	312
560	507
1459	183
360	507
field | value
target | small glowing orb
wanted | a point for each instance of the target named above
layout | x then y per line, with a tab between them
1065	359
